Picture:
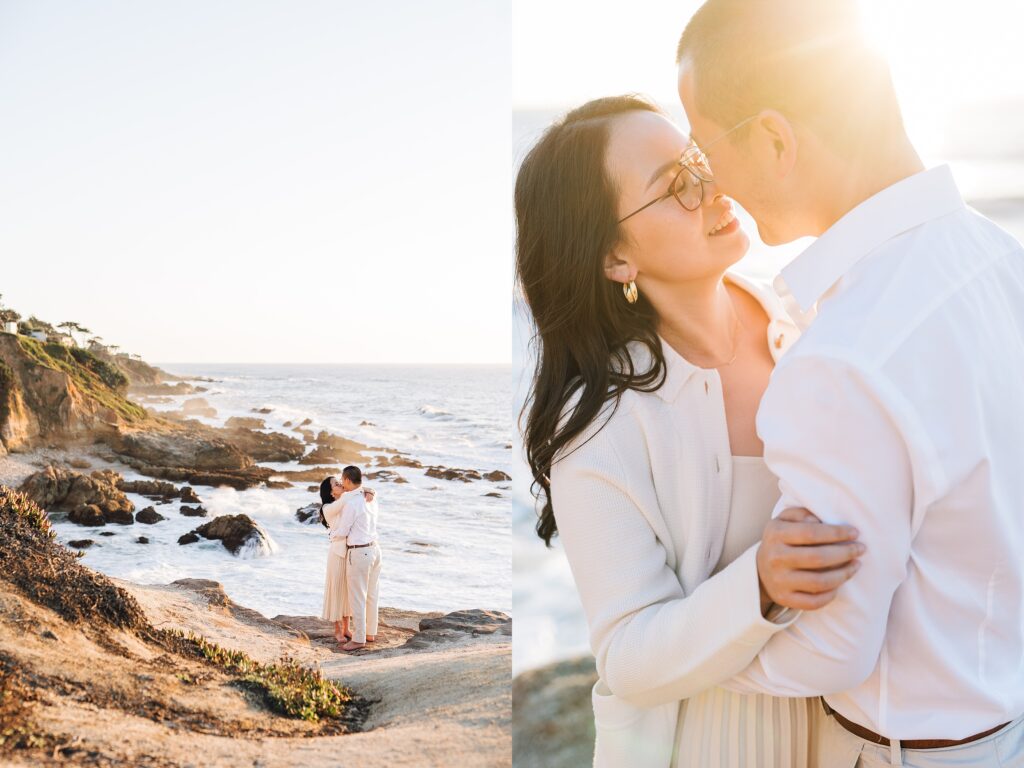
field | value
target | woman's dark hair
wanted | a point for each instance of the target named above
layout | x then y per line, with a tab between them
326	497
566	223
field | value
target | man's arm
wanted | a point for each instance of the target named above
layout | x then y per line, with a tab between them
831	437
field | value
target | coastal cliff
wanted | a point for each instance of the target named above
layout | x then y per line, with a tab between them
96	671
51	392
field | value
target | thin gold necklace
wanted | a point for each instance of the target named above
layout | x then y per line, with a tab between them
736	325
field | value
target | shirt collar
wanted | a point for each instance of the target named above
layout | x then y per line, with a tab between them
679	370
907	204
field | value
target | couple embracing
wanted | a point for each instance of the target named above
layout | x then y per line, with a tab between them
795	517
352	584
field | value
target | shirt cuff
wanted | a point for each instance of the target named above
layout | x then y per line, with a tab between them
782	615
746	599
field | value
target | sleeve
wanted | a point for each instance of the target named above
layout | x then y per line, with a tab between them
653	644
331	511
343	526
831	437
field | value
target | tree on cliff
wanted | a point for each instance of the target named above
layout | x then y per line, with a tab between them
7	315
73	327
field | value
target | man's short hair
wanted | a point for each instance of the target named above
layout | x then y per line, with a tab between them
353	474
808	59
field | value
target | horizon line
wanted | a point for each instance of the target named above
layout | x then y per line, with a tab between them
229	362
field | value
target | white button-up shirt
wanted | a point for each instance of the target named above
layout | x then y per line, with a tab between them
900	410
358	519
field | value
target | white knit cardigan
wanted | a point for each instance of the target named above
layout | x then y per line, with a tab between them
642	506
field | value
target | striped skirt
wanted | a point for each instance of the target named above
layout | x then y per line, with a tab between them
721	729
336	600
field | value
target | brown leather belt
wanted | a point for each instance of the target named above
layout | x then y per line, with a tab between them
869	735
357	546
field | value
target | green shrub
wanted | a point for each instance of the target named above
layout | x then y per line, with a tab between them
286	687
60	358
108	373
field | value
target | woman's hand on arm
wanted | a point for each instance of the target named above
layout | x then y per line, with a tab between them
802	562
653	643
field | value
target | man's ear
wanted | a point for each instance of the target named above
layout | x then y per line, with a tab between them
774	136
618	269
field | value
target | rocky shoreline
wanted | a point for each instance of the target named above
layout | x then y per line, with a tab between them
77	438
102	672
88	409
53	396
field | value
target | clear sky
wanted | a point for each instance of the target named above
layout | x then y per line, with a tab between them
252	181
945	54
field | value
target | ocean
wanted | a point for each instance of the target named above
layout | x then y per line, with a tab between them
445	543
549	621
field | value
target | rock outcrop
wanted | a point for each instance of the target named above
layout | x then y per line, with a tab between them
192	453
188	495
385	476
240	535
162	388
180	448
246	422
266	446
552	719
157	488
398	460
149	516
332	449
309	513
198	406
452	626
92	499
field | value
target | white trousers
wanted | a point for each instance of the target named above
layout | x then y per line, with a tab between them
363	575
838	748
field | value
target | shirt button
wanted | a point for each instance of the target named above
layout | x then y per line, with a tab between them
707	388
778	341
718	465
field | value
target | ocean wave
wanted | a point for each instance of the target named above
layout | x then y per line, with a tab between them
432	412
258	546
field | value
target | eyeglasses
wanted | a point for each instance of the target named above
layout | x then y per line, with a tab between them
687	185
721	136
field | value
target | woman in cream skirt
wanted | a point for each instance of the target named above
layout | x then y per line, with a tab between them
336	606
639	431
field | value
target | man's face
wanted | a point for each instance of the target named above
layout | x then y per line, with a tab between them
735	167
337	486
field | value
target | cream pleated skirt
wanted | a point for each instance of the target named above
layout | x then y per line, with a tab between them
336	602
721	729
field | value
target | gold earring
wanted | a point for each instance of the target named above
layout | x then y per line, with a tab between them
630	291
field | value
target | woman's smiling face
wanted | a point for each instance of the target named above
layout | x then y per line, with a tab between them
665	243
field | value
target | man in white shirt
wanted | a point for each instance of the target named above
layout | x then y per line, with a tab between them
358	523
899	411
